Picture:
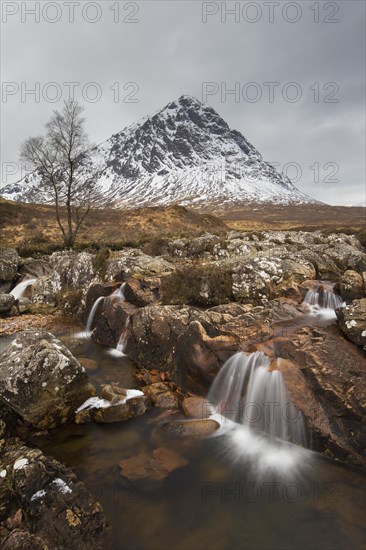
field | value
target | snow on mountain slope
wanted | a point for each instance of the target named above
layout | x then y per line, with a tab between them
186	154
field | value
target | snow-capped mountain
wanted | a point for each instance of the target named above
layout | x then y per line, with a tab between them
186	154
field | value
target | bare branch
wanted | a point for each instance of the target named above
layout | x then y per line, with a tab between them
57	158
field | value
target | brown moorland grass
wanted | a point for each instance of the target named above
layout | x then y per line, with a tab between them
32	228
309	217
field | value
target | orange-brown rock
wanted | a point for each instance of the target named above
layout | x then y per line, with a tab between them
325	374
152	467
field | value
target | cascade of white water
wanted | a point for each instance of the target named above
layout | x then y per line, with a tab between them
19	290
118	293
92	313
323	298
122	342
247	392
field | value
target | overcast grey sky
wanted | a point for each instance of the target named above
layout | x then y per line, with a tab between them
152	52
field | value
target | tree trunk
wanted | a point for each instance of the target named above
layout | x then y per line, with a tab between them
69	241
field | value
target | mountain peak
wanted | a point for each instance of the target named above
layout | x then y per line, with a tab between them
186	101
184	154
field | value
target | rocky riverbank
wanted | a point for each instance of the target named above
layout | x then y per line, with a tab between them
180	315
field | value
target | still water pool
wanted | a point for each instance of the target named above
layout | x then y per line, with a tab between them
235	492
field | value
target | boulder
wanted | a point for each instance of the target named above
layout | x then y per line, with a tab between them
72	270
325	375
6	303
192	344
33	268
44	290
128	263
155	330
119	412
198	356
326	267
264	278
162	396
204	247
41	381
43	505
111	321
142	292
9	261
197	407
113	394
97	290
23	305
347	255
351	286
352	321
115	405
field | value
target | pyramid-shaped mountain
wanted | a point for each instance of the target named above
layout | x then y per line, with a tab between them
184	154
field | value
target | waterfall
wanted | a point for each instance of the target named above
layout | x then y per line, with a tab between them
248	392
91	315
19	290
122	342
118	293
323	298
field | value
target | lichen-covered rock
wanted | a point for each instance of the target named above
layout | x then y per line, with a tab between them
352	320
9	261
23	305
351	286
41	380
43	505
126	264
347	255
155	330
263	278
6	303
33	268
72	270
162	396
204	247
44	290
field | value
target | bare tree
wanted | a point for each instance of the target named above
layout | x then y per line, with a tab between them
57	157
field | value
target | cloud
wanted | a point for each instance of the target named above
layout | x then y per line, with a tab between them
170	52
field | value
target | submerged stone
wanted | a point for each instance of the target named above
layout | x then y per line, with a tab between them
190	428
155	466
